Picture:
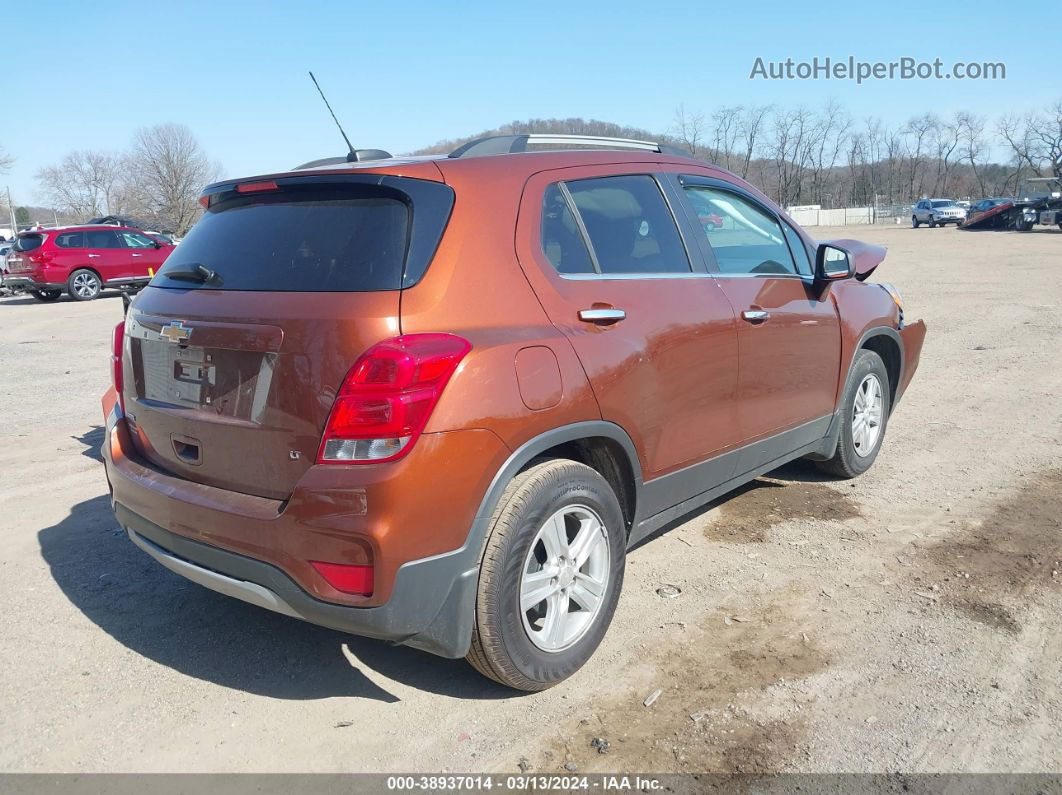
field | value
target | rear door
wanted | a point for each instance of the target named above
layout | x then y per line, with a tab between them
105	254
652	329
789	338
68	251
229	382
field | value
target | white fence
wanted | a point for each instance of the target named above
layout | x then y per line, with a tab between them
844	216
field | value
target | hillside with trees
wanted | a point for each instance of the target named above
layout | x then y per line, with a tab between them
825	156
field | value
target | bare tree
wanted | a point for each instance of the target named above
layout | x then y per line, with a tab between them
170	169
1046	134
918	132
751	125
689	129
828	138
86	184
726	128
6	161
972	145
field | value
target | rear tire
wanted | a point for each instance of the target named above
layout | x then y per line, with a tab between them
856	451
46	295
914	222
84	285
518	647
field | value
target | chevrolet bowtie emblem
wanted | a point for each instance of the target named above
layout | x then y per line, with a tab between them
176	332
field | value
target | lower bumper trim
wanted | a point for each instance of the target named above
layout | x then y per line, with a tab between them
240	589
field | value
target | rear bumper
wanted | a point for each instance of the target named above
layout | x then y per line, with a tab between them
431	606
29	283
412	518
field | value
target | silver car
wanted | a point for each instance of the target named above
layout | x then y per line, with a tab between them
937	212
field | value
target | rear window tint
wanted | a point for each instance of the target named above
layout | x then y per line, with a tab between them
308	240
101	238
70	240
629	224
561	239
28	242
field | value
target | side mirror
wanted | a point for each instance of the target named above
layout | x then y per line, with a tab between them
832	264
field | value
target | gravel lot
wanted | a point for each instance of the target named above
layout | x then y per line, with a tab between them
907	620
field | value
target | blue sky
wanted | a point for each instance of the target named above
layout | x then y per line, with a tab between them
404	75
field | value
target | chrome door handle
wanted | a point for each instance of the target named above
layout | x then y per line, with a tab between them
138	255
602	315
755	315
93	255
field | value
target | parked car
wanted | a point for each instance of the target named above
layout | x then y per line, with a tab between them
83	260
937	212
349	398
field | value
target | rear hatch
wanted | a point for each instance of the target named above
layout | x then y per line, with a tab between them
21	260
235	351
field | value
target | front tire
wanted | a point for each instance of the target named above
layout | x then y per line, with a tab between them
84	285
551	575
46	295
865	413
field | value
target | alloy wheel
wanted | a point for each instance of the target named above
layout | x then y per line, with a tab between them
867	415
85	285
564	578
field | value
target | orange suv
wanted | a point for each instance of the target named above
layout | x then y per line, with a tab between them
434	400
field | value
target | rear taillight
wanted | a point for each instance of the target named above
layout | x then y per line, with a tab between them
387	397
117	342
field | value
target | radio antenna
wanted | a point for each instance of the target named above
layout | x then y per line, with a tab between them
352	156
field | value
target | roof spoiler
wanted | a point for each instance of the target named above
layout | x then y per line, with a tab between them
354	156
509	144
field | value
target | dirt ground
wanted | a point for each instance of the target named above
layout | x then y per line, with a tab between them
904	621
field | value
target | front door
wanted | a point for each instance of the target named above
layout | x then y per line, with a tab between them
142	254
789	338
655	334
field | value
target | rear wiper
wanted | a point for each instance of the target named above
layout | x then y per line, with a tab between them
196	272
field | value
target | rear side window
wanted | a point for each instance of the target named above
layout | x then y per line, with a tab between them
70	240
746	239
102	238
629	224
28	242
320	239
561	239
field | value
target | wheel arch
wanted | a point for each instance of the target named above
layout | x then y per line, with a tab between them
886	342
603	446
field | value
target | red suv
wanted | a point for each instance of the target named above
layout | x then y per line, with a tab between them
435	400
82	260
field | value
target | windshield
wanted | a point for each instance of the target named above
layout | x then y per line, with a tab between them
946	203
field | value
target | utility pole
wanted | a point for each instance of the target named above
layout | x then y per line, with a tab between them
11	210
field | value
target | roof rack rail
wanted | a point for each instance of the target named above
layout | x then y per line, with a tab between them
508	144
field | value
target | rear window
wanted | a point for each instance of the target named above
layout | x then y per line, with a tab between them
28	242
102	238
309	239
